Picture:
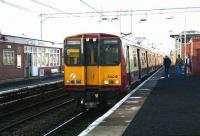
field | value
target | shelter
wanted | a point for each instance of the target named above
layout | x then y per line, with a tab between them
25	57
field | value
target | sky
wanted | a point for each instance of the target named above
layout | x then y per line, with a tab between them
22	18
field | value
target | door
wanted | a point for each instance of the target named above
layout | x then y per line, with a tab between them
28	70
91	61
198	62
35	61
128	67
139	62
147	61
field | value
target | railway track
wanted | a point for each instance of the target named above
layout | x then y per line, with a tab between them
18	94
58	128
7	126
15	101
28	107
24	116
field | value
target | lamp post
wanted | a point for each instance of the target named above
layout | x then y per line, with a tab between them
41	21
43	17
185	39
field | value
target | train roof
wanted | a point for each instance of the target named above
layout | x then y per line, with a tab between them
124	40
92	35
130	42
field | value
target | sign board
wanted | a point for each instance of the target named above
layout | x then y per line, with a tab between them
19	62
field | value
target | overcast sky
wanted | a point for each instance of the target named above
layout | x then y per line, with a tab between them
22	17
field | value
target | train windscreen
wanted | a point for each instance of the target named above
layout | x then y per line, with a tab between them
91	52
73	53
109	52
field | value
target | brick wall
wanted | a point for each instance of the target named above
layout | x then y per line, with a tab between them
191	51
11	71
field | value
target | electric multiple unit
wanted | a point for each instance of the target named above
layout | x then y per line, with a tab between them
98	65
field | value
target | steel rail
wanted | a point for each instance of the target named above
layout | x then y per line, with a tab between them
31	106
62	125
30	96
36	115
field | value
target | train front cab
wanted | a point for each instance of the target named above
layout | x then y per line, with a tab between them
93	67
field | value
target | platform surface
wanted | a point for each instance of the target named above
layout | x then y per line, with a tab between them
23	83
161	106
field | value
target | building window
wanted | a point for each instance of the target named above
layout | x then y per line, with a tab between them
8	57
44	57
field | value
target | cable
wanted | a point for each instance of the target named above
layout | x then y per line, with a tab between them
17	6
131	12
92	7
49	6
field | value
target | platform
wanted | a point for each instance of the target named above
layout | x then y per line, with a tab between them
15	85
159	106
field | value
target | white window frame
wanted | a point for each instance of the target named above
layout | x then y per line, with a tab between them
12	59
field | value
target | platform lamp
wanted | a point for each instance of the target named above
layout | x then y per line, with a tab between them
44	17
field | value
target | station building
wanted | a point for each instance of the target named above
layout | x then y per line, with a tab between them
187	44
25	57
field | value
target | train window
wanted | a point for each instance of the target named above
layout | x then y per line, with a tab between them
91	52
92	56
72	52
141	59
109	55
135	58
135	61
144	59
73	56
110	41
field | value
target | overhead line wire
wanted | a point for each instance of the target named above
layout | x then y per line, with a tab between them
17	6
45	5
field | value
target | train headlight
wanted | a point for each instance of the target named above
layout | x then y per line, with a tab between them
67	82
106	82
94	39
116	82
87	39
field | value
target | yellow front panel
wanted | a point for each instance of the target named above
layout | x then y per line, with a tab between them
96	75
110	73
74	74
92	75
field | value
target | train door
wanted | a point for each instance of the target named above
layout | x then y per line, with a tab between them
91	61
198	62
139	62
128	68
147	61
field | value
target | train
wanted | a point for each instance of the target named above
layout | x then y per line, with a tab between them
98	66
